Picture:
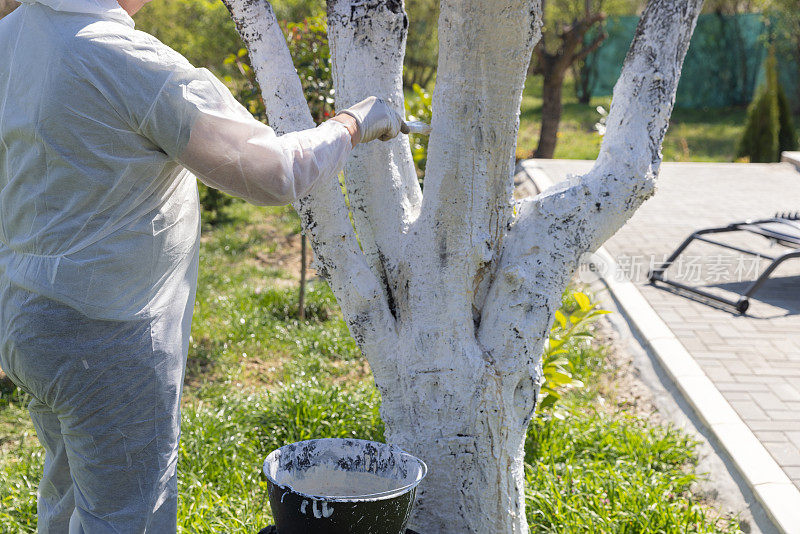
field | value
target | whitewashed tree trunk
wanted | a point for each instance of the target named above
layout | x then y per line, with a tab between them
450	295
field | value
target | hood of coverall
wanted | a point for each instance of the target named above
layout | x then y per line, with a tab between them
108	9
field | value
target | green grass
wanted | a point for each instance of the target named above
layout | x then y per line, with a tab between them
259	378
21	463
593	472
592	467
693	135
245	327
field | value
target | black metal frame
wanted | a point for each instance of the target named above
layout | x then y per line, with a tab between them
743	303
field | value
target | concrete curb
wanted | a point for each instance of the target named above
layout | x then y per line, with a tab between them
791	157
771	486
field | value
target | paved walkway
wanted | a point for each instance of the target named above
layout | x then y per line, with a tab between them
754	360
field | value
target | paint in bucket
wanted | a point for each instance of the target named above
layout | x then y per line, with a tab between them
342	486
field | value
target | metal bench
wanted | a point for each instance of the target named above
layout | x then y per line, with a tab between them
783	229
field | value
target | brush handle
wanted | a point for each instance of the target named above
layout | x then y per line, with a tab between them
418	127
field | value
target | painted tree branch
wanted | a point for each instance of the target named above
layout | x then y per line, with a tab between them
323	212
484	52
591	47
624	175
367	41
554	229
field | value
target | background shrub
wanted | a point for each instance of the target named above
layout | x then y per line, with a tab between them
768	129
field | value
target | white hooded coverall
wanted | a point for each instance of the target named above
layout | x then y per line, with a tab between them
99	233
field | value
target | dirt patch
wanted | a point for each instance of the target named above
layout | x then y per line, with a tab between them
257	373
355	371
622	386
285	257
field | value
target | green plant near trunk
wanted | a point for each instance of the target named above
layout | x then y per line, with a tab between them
768	129
570	330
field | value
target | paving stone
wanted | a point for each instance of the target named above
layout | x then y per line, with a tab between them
785	453
693	344
738	368
793	406
794	473
741	386
771	435
768	401
784	415
717	372
749	409
759	379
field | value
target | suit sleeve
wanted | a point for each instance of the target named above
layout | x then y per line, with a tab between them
197	122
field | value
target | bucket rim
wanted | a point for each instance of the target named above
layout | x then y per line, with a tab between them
396	492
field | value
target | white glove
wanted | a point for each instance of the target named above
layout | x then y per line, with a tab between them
376	120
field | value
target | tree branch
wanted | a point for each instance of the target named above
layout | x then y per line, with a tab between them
323	212
367	42
555	228
485	48
591	47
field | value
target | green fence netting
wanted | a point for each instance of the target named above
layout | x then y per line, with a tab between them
722	67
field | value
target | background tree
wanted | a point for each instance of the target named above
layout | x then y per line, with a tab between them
572	29
786	15
736	7
787	136
769	129
451	296
562	45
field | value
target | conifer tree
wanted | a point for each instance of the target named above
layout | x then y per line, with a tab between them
768	129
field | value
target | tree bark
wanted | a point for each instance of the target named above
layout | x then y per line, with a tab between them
460	415
453	295
367	42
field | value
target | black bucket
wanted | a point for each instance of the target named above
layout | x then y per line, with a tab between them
342	486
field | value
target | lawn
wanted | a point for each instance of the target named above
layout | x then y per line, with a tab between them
258	378
693	135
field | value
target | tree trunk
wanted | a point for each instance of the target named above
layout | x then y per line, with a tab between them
551	112
796	99
451	295
468	422
583	81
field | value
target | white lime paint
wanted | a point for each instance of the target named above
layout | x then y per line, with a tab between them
454	292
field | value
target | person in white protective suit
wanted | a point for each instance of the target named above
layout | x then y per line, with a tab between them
100	126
